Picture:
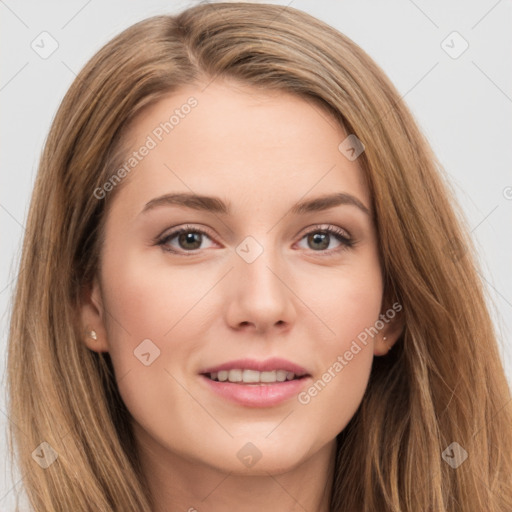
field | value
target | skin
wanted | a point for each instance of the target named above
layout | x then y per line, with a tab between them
300	300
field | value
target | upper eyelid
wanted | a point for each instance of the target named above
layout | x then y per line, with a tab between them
318	227
176	230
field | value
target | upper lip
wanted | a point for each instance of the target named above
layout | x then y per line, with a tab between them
267	365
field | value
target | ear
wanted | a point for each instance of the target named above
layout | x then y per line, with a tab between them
92	315
392	318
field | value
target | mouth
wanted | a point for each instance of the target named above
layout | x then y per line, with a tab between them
254	383
254	377
255	389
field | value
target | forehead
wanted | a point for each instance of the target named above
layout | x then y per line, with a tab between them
247	144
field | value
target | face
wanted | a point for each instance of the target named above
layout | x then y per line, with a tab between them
191	288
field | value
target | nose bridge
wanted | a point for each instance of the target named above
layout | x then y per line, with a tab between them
258	259
261	296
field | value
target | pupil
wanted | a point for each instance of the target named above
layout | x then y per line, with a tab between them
189	237
322	238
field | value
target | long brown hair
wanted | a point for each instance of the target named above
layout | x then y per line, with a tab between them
442	383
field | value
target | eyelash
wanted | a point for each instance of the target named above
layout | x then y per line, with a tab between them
339	234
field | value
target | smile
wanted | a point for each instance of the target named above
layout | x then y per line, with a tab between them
246	376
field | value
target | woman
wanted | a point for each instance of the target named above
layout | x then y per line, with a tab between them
252	370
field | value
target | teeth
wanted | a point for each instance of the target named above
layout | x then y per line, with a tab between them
268	376
252	376
281	375
235	376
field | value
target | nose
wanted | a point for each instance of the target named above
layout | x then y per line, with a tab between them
260	296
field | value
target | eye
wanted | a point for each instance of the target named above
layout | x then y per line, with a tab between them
188	239
320	238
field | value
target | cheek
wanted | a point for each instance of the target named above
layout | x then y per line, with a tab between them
348	305
153	309
138	314
149	342
145	301
347	299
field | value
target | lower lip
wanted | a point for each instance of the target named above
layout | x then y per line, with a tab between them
257	395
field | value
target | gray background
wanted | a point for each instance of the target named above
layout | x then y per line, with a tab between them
463	105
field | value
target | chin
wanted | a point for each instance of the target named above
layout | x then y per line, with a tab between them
260	456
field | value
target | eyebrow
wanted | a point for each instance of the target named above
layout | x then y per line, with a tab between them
217	205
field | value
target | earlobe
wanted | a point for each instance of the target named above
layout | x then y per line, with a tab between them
382	345
389	335
94	333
